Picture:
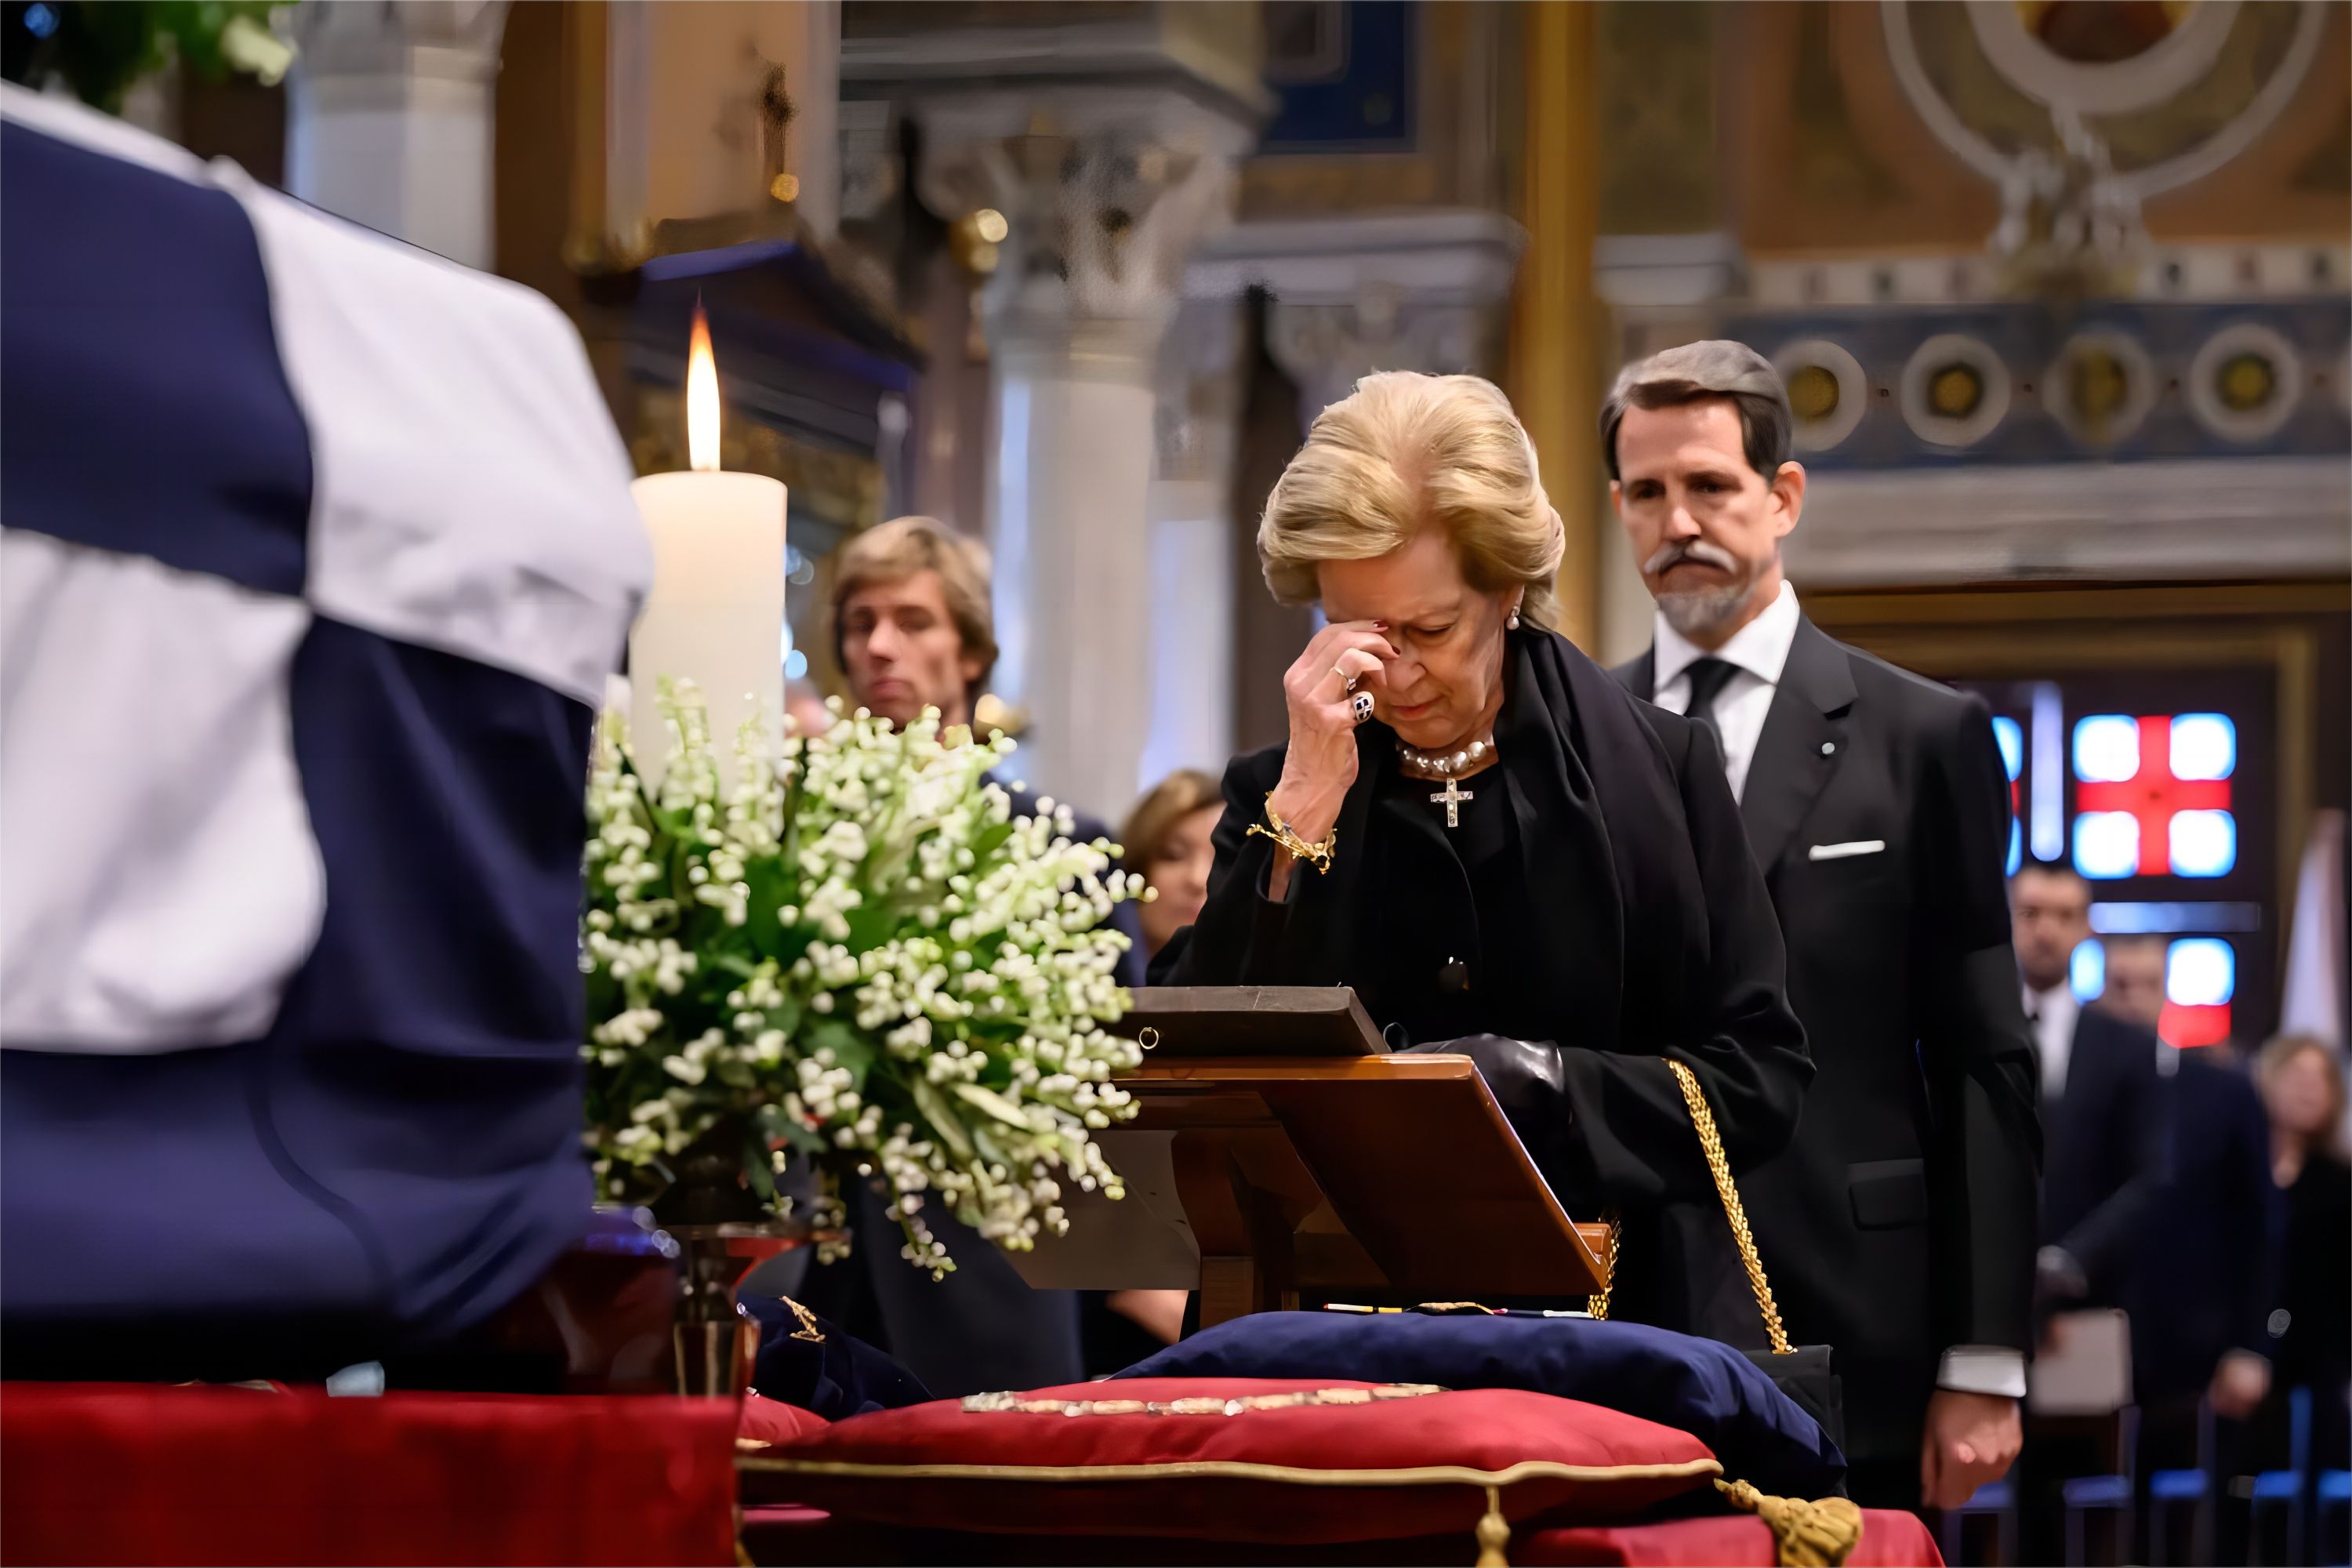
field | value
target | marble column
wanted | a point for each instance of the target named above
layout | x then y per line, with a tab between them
391	114
1103	197
1191	544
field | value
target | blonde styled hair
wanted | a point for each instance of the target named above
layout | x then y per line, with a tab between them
894	551
1404	452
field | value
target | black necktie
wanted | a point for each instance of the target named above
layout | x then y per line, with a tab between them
1707	679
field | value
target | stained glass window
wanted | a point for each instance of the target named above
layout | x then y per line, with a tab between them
2155	785
2152	795
2010	736
2086	971
2201	980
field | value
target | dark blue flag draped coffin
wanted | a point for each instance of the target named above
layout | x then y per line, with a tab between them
1709	1390
317	551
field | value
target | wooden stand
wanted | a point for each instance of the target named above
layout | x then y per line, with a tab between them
1370	1174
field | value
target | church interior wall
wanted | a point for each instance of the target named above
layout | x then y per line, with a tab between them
1767	170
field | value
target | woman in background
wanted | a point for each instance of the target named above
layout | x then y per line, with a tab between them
1169	839
2303	1086
1169	843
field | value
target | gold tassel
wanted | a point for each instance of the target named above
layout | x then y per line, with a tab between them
1494	1532
1805	1535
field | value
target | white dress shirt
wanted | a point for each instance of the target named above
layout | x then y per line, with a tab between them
2053	1013
1756	652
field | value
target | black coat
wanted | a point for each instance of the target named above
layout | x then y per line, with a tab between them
2108	1144
1901	1220
2208	1269
1650	937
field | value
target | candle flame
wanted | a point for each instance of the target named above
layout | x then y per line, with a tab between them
701	398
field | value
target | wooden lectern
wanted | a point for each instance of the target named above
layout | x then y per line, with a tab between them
1312	1163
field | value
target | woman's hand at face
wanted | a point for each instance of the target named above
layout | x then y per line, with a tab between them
1321	762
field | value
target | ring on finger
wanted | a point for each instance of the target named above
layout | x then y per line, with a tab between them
1362	706
1347	681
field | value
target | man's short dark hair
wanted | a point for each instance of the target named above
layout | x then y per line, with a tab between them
1695	372
2060	868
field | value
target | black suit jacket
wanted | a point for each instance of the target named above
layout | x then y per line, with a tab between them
2107	1150
1901	1220
2208	1265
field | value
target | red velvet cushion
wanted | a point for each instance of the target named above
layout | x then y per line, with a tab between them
784	1534
1890	1539
768	1423
1318	1473
129	1473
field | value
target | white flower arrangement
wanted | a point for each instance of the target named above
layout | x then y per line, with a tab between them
857	953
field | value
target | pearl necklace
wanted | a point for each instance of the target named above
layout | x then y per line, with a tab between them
1442	765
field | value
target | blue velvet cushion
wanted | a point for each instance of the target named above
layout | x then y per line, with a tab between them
837	1378
1708	1389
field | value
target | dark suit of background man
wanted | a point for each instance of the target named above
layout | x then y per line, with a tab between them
1899	1226
2102	1112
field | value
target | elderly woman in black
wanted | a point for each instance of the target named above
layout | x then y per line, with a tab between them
1503	852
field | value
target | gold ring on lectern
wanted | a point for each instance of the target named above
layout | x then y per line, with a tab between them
1147	1036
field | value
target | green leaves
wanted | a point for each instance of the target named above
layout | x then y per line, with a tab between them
943	1118
778	1125
852	1050
995	1104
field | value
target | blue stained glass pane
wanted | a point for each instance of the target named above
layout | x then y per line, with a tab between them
2086	971
2106	844
2200	972
2203	843
2011	737
2204	746
2107	748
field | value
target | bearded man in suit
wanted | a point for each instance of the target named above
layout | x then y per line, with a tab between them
1899	1226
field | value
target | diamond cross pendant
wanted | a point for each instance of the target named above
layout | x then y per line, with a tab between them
1451	798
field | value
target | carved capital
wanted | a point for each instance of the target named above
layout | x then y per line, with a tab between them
1099	223
398	39
1326	347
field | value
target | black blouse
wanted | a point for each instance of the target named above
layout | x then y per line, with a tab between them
1598	895
1436	985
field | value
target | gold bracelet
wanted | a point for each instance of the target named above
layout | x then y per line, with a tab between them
1315	855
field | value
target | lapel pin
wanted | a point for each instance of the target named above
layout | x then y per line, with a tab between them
1828	746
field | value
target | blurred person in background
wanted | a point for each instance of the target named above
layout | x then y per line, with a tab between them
2311	1329
2135	981
804	705
912	630
2103	1122
1168	842
2202	1297
2105	1143
1898	1227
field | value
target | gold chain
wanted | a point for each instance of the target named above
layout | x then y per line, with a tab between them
992	1403
808	1330
1598	1306
1315	855
1710	1143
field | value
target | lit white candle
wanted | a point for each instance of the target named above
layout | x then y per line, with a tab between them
716	614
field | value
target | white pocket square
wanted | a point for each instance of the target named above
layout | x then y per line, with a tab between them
1842	851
